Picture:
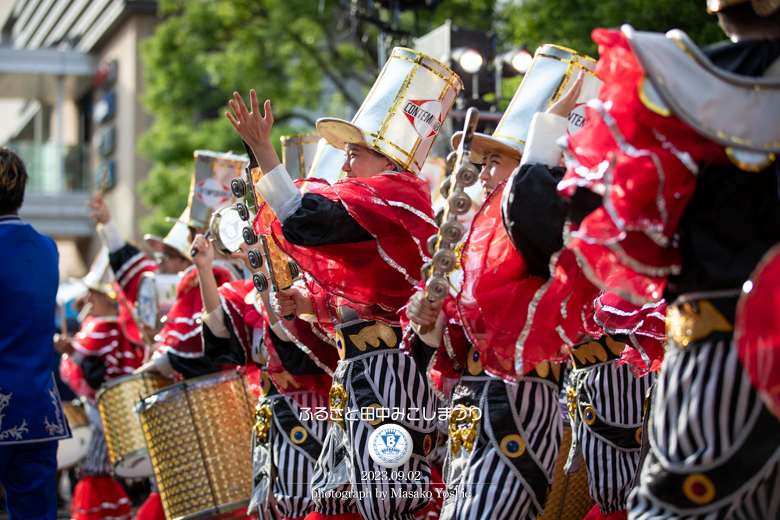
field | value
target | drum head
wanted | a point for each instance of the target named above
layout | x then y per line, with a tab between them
147	300
72	451
135	465
227	229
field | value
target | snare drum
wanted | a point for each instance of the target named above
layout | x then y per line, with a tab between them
199	435
72	451
156	296
227	229
117	400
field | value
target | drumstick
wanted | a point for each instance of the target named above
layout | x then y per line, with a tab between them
195	251
103	182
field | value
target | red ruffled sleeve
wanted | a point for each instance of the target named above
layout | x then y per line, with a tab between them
644	325
645	164
756	331
396	209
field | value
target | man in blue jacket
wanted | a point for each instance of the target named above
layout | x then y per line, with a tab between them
31	417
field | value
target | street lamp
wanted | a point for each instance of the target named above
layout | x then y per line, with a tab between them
470	60
511	63
514	62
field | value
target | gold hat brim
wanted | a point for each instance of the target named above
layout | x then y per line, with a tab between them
101	288
483	145
338	133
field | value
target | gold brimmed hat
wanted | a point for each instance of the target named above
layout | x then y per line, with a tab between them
761	7
100	277
298	152
209	191
550	76
404	111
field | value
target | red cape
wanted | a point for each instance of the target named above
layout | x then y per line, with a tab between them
496	293
378	275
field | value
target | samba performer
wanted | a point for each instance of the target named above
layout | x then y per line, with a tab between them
505	428
99	352
240	329
690	205
361	241
178	348
613	361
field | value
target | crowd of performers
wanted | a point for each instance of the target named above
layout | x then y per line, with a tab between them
612	310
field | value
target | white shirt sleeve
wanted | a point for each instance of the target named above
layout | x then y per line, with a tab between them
279	331
278	190
162	363
109	234
215	321
541	146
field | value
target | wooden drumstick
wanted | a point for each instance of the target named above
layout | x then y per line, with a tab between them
103	183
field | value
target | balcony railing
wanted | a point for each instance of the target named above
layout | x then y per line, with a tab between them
43	166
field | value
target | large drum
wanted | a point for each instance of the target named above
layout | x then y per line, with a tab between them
199	435
117	400
72	451
156	296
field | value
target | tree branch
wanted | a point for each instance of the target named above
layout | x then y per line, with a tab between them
325	69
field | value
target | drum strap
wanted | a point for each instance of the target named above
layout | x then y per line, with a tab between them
288	423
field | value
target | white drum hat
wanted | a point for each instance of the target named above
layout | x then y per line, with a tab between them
100	277
327	163
551	75
298	152
209	191
403	112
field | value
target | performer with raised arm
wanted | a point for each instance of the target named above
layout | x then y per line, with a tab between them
680	149
240	329
361	240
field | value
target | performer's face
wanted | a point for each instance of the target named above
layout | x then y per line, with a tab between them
496	169
170	261
100	304
362	162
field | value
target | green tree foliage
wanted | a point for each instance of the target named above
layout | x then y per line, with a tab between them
204	50
570	22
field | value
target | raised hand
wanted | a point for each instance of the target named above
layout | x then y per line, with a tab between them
205	256
564	106
254	128
101	212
